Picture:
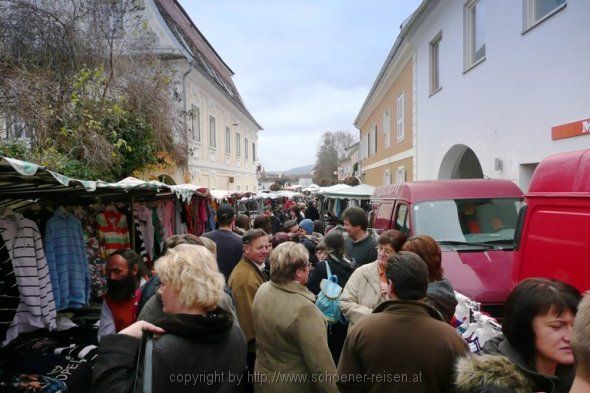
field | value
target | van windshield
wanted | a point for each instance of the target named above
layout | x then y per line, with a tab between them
468	220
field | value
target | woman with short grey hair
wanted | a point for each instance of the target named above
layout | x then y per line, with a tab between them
290	330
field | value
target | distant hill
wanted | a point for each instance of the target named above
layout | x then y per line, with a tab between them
301	170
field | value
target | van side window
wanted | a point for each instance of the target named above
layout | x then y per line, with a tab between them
401	218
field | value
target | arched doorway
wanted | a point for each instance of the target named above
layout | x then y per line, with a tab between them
460	162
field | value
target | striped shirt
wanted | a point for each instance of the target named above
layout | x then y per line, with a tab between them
25	248
9	295
112	231
66	257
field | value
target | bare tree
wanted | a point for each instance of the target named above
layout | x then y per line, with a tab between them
331	150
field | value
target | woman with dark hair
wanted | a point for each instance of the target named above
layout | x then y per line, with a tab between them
342	269
440	293
535	354
368	286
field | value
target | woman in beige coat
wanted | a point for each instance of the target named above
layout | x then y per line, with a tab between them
367	286
292	354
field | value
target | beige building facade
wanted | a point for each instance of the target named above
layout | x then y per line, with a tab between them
222	134
386	123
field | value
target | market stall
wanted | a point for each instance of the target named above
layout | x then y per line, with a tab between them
55	235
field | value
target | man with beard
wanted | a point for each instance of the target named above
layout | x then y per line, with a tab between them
125	277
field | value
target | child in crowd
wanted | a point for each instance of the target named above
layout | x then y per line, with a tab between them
321	252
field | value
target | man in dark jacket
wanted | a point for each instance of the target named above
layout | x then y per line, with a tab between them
361	247
229	244
404	346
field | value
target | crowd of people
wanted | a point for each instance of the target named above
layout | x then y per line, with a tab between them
238	309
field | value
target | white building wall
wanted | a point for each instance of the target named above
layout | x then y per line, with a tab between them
212	166
504	107
209	166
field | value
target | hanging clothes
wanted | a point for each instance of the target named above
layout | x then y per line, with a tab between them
65	252
112	231
9	295
158	235
211	214
180	218
25	247
166	217
143	215
140	245
94	254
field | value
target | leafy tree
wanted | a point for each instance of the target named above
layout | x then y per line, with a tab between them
276	187
82	76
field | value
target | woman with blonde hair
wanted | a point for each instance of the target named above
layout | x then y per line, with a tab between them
196	331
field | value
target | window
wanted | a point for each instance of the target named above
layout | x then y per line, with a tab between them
212	134
387	127
469	220
196	122
364	153
536	11
16	128
246	148
401	175
367	147
227	140
373	140
387	178
400	116
401	218
238	144
434	64
475	44
253	151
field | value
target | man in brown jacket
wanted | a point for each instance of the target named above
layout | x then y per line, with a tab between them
404	345
245	280
292	354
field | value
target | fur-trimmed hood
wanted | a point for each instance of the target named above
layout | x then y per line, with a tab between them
490	371
503	369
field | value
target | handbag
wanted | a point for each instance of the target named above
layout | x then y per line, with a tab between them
328	300
144	366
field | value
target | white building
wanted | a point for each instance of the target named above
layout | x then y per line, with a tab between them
493	81
346	166
222	133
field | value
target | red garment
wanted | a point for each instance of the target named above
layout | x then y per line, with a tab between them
196	212
124	312
202	204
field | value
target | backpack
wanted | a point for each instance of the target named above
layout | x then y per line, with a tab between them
328	300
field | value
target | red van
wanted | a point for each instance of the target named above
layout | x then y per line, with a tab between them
474	221
553	236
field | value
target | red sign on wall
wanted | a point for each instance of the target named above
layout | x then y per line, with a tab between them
569	130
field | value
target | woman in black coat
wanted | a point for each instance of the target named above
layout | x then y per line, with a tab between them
342	269
197	339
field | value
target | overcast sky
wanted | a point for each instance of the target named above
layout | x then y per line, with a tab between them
302	67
